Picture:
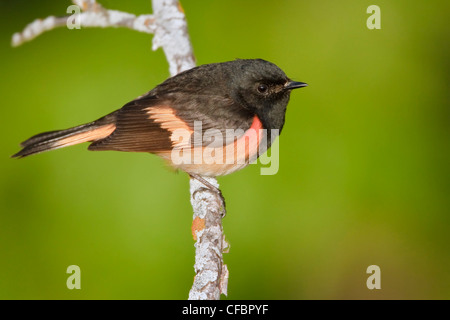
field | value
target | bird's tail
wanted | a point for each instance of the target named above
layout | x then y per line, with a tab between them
52	140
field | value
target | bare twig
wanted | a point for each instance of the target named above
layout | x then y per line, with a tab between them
168	24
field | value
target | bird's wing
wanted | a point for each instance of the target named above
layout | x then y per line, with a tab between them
152	124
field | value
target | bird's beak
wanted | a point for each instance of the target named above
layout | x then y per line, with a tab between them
294	85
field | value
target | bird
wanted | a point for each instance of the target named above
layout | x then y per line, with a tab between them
190	115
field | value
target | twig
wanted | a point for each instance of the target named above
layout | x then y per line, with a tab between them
93	15
168	24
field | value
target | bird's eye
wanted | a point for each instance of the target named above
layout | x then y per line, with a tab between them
262	88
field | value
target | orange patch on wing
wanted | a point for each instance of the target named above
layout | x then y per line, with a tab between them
167	119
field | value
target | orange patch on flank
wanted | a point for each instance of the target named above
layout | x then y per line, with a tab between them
249	137
198	224
243	150
91	135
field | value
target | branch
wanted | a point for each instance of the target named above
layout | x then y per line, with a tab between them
168	24
211	277
93	15
172	36
211	273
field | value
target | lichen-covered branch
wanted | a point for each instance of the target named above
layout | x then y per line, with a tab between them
211	278
171	34
169	26
93	15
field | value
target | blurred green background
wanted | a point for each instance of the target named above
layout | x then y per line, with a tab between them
364	157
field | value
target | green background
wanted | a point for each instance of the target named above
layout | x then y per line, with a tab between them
364	157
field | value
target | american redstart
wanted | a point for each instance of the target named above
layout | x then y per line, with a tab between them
242	96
